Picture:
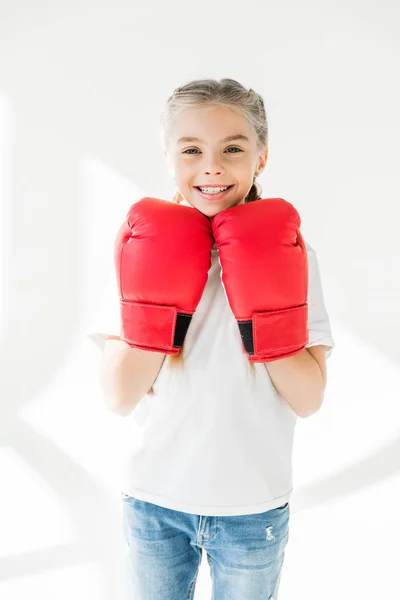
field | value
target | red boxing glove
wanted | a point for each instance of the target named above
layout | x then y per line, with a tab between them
162	257
265	274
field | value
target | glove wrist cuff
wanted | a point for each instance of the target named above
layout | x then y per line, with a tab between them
153	327
274	334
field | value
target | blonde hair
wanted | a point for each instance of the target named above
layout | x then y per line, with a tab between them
232	95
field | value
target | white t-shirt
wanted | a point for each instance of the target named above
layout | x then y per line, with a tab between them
213	440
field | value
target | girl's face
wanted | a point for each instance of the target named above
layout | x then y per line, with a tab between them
212	160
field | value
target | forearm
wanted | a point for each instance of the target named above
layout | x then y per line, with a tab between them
299	381
127	374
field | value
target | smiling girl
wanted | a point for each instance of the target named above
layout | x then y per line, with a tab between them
216	281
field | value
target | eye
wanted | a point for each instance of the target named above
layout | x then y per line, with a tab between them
230	148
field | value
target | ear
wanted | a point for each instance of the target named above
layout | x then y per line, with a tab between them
262	161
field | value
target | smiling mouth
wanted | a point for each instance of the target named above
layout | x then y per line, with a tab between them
212	186
212	197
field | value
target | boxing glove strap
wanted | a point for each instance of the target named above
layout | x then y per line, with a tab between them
165	334
275	332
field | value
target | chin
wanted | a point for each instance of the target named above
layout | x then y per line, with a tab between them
208	212
214	209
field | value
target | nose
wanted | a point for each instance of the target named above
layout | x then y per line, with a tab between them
214	171
213	168
212	164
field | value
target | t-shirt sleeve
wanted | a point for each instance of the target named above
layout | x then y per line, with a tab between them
319	327
107	319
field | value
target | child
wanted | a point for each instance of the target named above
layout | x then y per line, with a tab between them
214	372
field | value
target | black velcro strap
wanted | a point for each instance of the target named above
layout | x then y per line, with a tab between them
246	331
182	325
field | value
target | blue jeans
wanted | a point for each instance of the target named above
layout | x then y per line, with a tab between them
164	550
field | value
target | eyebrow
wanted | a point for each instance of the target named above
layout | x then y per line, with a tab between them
230	138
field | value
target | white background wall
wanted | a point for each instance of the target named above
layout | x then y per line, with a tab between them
82	86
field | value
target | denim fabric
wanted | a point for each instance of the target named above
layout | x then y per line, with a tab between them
164	551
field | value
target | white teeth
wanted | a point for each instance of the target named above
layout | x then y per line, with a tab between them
213	190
